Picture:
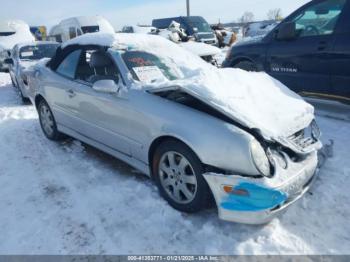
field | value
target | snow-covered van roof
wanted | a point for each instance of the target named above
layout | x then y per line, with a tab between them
84	21
20	32
255	100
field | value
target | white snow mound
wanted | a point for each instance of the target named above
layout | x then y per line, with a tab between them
21	34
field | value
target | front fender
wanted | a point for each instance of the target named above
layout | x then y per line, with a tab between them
220	145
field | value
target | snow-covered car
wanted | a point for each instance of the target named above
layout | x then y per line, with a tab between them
205	51
200	132
138	29
25	55
12	32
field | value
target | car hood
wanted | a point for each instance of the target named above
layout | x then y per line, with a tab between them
249	41
254	100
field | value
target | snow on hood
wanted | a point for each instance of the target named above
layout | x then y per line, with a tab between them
201	49
21	34
255	100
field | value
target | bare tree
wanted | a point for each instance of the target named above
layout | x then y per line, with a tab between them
246	18
275	14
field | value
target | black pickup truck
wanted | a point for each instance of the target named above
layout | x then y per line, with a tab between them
309	51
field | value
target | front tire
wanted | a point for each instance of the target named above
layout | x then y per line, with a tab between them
179	176
48	122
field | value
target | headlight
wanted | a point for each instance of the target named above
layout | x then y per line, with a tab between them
260	158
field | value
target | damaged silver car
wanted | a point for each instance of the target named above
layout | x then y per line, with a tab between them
205	135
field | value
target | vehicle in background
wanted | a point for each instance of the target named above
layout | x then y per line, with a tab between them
194	26
200	132
12	32
177	35
39	32
76	26
137	29
207	52
309	51
23	56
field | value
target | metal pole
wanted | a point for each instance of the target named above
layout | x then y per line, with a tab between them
188	7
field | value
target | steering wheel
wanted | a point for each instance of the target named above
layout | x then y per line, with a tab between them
311	30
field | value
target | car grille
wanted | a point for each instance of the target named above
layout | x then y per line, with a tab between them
306	137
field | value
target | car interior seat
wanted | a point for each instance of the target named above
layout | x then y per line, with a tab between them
103	67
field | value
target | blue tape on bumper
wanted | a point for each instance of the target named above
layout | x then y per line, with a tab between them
259	198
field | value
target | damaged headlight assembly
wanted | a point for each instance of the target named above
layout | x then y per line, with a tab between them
260	158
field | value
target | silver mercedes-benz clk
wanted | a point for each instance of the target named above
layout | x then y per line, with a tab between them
202	133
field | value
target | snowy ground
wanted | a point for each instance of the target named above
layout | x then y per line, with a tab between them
68	198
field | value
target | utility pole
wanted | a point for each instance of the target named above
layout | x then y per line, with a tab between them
188	7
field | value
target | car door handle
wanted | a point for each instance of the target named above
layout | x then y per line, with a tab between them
71	93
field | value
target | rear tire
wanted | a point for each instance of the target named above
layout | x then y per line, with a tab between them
247	66
48	122
179	176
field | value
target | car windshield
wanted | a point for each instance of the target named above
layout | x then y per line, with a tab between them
90	29
37	52
149	68
201	25
6	33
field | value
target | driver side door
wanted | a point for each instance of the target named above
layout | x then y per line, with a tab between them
303	63
101	117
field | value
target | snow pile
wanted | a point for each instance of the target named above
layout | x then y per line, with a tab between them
21	34
200	49
144	29
67	198
254	99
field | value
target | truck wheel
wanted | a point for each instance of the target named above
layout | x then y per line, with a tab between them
179	176
47	122
247	66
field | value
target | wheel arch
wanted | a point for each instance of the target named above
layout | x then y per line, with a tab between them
38	99
158	141
242	59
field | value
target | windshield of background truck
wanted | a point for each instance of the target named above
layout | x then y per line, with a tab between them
201	25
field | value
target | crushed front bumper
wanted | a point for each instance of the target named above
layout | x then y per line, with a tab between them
259	200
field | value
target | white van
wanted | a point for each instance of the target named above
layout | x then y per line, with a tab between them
75	26
12	32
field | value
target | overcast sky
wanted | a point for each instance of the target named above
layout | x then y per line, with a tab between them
122	12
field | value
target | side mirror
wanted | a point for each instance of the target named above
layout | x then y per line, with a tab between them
8	61
195	30
105	86
286	31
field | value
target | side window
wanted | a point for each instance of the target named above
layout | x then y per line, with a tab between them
79	32
72	32
96	65
68	66
320	18
58	38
